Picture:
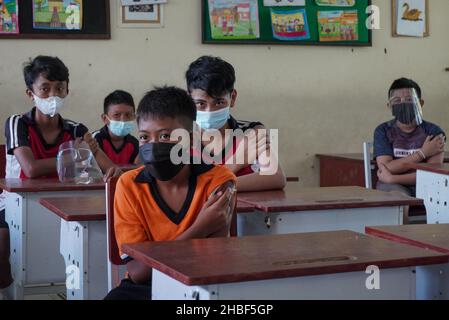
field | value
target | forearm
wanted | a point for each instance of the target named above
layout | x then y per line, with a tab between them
38	168
258	182
138	272
400	166
408	179
103	161
439	158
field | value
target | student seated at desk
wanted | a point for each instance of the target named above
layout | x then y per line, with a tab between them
33	138
210	82
115	137
163	200
405	139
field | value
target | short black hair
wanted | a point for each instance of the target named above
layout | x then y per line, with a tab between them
212	75
118	97
167	101
51	68
404	83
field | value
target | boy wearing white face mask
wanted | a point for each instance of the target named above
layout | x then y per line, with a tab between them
33	138
210	82
115	137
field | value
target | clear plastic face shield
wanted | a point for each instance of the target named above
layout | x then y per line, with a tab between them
406	106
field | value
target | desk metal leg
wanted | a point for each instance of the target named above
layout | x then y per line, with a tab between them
433	282
261	223
397	284
83	247
433	188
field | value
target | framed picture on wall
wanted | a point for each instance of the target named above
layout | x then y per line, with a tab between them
140	16
410	18
55	19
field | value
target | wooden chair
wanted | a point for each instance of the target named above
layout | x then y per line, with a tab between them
116	266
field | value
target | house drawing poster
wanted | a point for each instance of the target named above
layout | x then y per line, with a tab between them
234	19
58	14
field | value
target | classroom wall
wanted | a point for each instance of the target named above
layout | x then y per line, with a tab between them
323	99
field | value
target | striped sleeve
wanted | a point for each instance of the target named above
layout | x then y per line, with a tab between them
16	133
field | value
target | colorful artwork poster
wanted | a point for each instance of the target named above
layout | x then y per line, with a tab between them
290	25
280	3
234	19
58	14
9	17
338	25
336	3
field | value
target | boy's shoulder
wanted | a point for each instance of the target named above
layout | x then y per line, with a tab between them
217	173
431	128
130	177
244	124
385	125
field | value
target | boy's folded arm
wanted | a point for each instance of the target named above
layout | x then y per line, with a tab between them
257	182
408	179
31	167
438	158
398	166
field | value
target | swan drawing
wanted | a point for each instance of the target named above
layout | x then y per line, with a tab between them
411	15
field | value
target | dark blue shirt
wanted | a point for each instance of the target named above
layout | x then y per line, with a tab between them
391	141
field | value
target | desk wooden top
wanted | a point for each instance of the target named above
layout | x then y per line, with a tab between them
77	208
294	198
45	185
359	156
243	207
428	236
225	260
442	168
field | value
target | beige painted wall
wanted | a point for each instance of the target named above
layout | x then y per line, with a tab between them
323	100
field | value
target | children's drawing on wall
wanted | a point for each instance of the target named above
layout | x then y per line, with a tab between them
290	25
279	3
57	14
411	18
338	25
336	3
9	17
234	19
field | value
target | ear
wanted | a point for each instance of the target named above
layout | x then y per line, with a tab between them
105	119
29	94
233	98
422	102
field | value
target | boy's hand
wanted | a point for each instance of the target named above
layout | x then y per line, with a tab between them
384	174
112	172
250	147
215	215
93	144
433	145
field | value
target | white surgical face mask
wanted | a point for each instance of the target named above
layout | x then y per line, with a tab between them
49	106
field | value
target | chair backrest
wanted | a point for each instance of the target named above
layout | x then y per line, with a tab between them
368	167
113	251
2	161
116	266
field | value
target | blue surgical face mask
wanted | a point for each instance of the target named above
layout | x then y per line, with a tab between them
121	128
213	119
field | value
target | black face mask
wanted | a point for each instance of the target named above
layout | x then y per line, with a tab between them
404	113
156	158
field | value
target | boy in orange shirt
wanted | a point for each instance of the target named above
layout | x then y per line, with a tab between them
163	200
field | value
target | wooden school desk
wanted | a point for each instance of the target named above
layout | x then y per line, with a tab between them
82	244
346	169
326	265
433	281
298	209
36	264
432	185
83	240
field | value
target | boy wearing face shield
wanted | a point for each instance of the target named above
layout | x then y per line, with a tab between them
167	199
115	138
408	138
33	138
210	82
